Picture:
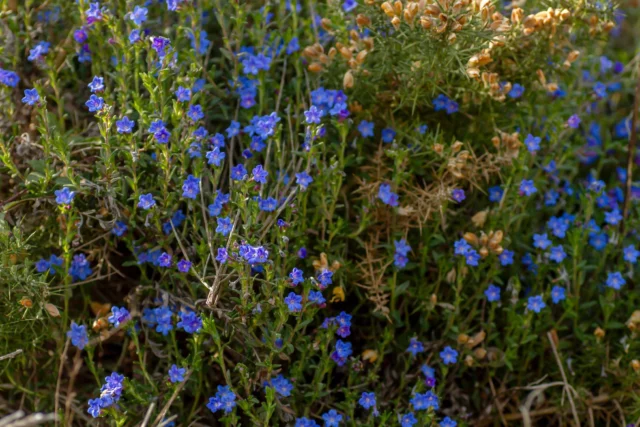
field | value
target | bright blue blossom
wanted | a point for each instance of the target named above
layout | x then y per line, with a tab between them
78	335
124	125
415	346
615	280
294	302
449	356
492	293
535	303
64	196
190	322
366	129
176	375
31	96
119	315
387	196
146	201
558	293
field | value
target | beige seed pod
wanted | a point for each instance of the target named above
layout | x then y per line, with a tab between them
471	238
347	80
360	57
635	365
326	24
346	53
315	67
425	22
362	20
387	9
396	22
516	15
599	332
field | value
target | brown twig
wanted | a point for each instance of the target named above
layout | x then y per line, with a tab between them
633	137
171	399
567	387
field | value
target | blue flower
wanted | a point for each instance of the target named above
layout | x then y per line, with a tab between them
195	112
191	187
613	218
472	257
225	400
415	346
139	15
532	143
305	422
190	322
449	356
95	407
332	418
97	84
615	280
598	240
506	257
224	226
293	46
267	205
95	103
558	227
9	78
388	135
134	36
183	94
260	174
313	115
125	125
39	51
296	276
541	241
349	5
558	294
316	297
294	302
238	172
366	129
535	303
163	318
64	196
325	278
557	254
492	293
367	400
222	255
146	202
516	91
80	268
342	352
448	422
527	188
31	96
387	196
631	254
233	129
408	420
424	401
176	375
303	179
215	157
78	335
281	385
119	315
495	194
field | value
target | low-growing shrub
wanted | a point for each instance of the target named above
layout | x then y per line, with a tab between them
319	212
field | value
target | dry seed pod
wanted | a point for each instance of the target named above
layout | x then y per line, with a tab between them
468	360
425	22
387	9
480	353
360	57
332	52
484	252
396	22
516	15
451	38
346	53
451	276
635	365
599	332
463	338
347	80
315	67
363	20
324	59
480	218
352	64
326	24
474	73
397	8
368	43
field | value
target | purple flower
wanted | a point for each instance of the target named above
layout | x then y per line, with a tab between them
184	266
39	51
574	121
342	352
80	35
222	255
458	195
349	5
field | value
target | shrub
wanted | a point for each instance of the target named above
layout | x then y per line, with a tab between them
338	213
